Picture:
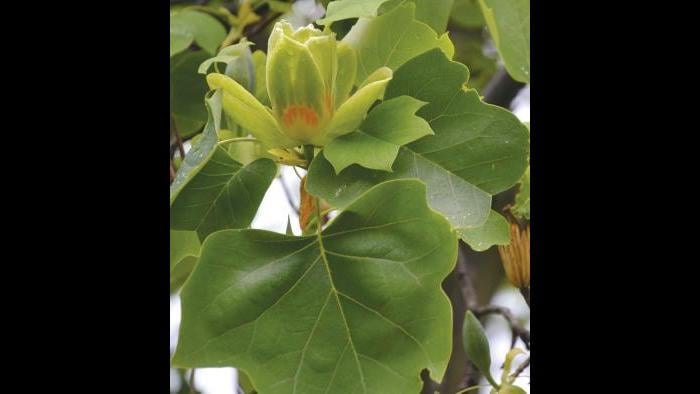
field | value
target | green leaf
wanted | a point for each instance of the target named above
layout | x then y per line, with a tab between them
187	90
179	41
508	22
483	144
392	39
184	252
224	194
467	13
494	232
376	143
477	150
212	191
356	308
434	13
202	150
206	30
346	9
245	383
521	209
476	345
459	201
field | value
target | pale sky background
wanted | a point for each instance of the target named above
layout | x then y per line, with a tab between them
272	215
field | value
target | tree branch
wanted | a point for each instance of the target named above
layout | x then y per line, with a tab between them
519	330
521	368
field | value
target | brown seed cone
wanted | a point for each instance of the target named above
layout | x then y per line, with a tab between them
516	256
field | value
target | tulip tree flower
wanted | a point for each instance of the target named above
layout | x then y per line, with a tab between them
309	79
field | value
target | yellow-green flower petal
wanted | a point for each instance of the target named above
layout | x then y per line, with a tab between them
351	113
297	91
282	28
248	112
347	70
324	51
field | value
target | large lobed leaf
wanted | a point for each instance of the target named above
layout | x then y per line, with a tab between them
357	308
477	150
211	192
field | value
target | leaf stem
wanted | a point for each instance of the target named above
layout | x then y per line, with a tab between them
192	390
521	368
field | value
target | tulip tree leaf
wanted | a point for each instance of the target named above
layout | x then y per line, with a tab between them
346	9
392	39
212	191
223	194
376	143
434	13
205	29
203	148
184	252
179	40
494	232
467	14
508	22
483	144
357	308
477	150
187	90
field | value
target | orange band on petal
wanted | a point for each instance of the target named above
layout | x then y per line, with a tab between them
297	113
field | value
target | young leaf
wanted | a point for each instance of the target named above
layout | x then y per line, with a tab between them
392	39
494	232
346	9
433	13
476	345
355	308
509	24
376	143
